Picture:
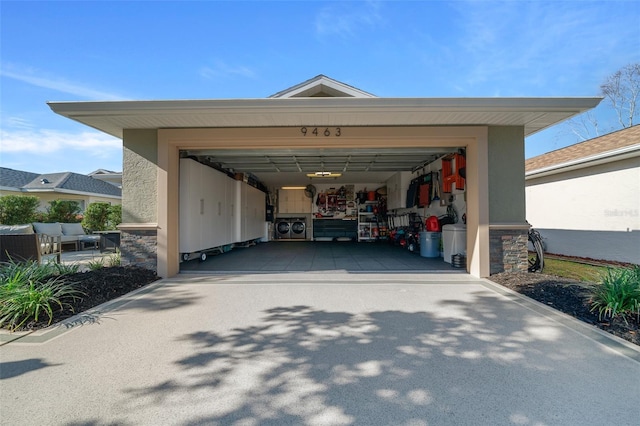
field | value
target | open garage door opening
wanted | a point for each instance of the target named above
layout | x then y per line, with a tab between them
321	210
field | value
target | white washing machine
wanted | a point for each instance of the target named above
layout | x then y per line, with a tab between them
454	240
283	228
298	228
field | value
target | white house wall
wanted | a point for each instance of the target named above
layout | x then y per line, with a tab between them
600	198
591	212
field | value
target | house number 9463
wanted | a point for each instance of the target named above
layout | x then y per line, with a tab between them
326	132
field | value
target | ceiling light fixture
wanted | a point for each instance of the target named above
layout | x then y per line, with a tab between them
324	175
293	187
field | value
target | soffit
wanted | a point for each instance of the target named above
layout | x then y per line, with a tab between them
534	114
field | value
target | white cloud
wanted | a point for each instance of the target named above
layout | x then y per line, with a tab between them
222	69
40	79
345	19
540	45
41	142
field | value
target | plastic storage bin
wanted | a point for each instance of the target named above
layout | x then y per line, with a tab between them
430	244
454	240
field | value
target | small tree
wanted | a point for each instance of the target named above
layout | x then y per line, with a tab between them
63	211
102	216
622	90
18	209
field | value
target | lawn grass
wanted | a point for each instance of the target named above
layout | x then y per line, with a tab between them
574	270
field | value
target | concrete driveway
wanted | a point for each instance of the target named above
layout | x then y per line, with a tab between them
321	349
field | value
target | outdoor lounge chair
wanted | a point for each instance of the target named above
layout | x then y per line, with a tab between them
20	243
25	247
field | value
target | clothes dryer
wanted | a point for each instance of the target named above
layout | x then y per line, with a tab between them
298	228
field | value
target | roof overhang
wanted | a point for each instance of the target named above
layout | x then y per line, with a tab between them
534	114
619	154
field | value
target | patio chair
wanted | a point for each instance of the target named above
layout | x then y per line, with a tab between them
20	243
25	247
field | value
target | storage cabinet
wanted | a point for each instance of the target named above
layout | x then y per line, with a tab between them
205	219
216	210
293	201
253	205
335	228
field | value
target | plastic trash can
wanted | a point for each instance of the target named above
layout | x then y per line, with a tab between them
430	244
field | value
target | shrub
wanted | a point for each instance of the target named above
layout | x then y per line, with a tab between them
18	209
29	290
95	264
114	217
65	211
102	216
618	294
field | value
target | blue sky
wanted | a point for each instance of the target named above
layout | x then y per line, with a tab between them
148	50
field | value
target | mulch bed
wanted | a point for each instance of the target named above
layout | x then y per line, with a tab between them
568	296
98	286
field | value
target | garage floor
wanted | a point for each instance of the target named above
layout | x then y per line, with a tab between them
287	256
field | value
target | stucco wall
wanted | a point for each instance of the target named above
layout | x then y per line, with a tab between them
506	175
604	197
139	180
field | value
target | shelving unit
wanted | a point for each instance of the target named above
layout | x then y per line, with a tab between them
368	229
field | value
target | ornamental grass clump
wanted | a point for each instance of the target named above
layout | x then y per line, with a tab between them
618	294
29	291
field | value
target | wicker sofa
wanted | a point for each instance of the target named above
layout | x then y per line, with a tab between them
69	233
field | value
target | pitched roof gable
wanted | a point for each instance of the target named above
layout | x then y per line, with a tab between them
584	150
322	86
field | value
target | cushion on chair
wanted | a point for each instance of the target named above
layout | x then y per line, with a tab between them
48	228
72	229
16	229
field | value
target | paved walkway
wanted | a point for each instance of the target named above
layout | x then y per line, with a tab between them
321	349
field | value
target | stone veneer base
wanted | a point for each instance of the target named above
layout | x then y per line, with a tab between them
139	248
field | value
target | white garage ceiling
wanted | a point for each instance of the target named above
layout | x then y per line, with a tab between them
290	167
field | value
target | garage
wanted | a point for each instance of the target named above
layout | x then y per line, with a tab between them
353	209
350	142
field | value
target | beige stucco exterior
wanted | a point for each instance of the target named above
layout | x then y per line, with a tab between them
492	198
140	159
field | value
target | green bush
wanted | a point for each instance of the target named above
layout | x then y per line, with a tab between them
102	216
29	290
115	217
64	211
18	209
618	294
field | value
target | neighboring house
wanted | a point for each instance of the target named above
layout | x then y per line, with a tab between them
585	198
114	178
58	186
317	127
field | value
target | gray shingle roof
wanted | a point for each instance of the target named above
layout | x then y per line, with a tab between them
70	181
15	178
